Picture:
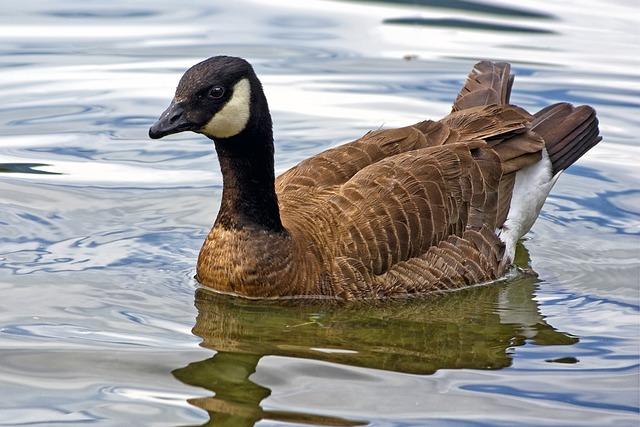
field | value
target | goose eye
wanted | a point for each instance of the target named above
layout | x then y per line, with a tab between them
216	92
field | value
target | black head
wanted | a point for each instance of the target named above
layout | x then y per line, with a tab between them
220	97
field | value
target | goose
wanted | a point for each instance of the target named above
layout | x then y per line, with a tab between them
432	207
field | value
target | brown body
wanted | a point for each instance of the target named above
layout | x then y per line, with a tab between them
401	212
404	211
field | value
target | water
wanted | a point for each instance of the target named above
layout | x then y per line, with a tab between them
101	321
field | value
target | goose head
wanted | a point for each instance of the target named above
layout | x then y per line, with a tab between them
220	98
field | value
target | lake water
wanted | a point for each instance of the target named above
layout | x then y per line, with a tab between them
101	321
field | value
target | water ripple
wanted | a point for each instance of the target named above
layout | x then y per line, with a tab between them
100	228
466	24
569	398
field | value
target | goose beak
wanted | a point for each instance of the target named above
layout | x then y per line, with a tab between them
173	120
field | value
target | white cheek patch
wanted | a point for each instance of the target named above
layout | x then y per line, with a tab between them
233	117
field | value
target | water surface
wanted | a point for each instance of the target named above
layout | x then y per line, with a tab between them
101	321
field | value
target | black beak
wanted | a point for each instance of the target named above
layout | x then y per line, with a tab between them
173	120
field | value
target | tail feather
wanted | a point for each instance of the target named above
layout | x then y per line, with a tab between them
576	150
532	152
488	83
561	146
568	132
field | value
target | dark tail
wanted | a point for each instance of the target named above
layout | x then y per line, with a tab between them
568	132
488	83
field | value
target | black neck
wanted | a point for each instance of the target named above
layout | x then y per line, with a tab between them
248	194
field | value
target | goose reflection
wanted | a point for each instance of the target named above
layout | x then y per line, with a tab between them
476	328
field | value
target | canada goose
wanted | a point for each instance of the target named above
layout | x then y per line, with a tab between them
435	206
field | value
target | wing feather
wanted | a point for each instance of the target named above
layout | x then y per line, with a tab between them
415	209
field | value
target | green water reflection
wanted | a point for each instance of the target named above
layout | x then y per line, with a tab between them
476	328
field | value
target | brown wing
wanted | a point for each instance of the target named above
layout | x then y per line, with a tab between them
400	207
415	209
418	222
474	257
337	165
370	220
